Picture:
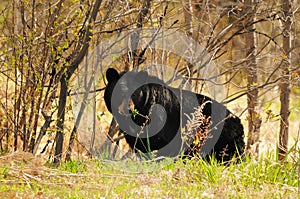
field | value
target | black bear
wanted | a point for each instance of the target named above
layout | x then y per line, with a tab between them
152	116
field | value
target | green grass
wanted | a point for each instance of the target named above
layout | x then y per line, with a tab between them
263	178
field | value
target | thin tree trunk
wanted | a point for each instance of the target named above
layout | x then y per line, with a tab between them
188	11
254	120
78	119
64	81
17	99
136	36
59	139
285	81
48	120
188	24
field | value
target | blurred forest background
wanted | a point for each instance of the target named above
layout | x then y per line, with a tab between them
45	44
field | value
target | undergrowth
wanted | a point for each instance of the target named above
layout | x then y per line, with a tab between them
95	178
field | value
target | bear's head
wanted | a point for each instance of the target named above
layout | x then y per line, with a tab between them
136	95
124	87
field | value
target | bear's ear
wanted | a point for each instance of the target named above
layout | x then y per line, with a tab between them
112	75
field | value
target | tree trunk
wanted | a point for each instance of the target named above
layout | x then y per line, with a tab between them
64	81
254	120
78	119
285	81
188	11
136	60
59	139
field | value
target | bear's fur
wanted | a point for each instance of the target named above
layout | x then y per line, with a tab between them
135	111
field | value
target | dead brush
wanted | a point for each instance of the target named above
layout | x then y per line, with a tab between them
197	131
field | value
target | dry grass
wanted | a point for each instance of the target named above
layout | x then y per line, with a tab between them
25	176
